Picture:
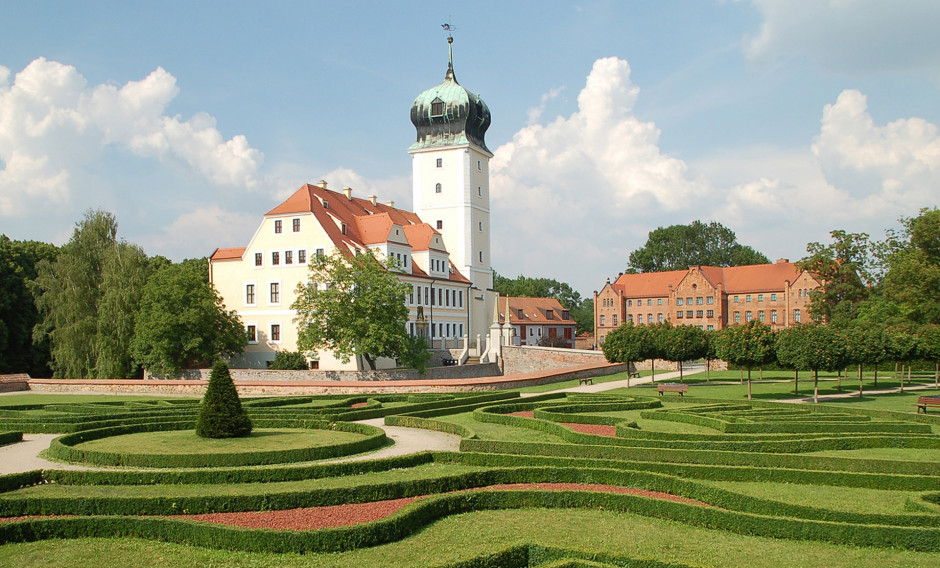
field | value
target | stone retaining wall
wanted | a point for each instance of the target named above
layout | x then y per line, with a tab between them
455	372
530	359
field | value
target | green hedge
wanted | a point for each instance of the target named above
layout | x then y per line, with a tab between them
410	421
62	448
7	438
14	481
430	509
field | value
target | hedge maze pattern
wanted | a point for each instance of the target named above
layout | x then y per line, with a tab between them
733	442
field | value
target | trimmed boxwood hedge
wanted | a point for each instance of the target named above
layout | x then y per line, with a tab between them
7	438
62	448
430	509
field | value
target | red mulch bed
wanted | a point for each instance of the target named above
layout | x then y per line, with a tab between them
312	518
358	404
523	414
598	429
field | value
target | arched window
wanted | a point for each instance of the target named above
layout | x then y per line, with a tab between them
437	188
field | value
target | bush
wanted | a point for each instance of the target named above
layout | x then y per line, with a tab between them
288	361
221	414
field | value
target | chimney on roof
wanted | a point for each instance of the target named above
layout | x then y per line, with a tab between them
322	183
347	191
390	204
783	260
374	199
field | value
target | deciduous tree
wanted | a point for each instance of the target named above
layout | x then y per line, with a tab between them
18	313
749	345
353	305
843	268
182	321
678	247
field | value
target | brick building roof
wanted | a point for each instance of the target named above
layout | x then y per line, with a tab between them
533	311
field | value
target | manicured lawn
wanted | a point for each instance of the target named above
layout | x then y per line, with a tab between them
490	431
848	499
14	399
903	454
575	382
591	533
187	442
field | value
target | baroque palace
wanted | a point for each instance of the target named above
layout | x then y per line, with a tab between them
442	248
710	297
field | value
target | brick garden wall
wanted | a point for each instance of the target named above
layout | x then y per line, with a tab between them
456	372
532	359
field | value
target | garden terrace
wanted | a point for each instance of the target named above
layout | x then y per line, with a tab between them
692	481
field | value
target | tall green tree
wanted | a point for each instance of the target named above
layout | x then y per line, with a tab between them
68	291
628	344
749	345
18	312
844	269
182	321
353	306
912	280
684	343
124	276
580	309
221	414
678	247
815	348
789	350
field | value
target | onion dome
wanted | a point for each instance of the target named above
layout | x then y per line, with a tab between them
448	114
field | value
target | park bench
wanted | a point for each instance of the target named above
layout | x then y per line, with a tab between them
585	381
925	401
449	362
635	375
672	387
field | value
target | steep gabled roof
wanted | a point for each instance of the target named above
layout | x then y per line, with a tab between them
733	279
420	237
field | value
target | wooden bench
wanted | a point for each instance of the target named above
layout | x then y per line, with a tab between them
672	387
925	401
635	375
585	381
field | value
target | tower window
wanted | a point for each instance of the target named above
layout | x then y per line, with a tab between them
437	188
481	226
440	224
480	190
479	165
437	107
440	162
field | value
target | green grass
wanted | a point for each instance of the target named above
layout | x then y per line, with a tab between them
187	442
657	425
490	431
869	501
466	536
574	382
902	454
15	399
51	490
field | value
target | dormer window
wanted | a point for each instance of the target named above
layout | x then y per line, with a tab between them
343	228
437	107
549	314
326	204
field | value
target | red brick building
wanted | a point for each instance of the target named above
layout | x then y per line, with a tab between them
710	297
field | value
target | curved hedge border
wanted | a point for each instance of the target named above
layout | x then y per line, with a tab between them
7	438
430	509
62	448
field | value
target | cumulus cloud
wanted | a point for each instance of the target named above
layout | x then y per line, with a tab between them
53	126
212	226
572	197
849	36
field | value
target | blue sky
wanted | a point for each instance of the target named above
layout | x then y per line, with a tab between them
782	119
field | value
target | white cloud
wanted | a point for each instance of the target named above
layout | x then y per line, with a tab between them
849	36
211	226
53	127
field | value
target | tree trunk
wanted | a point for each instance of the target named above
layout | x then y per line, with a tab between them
370	361
860	387
761	376
749	383
653	370
796	382
839	384
708	370
875	383
680	372
936	376
815	386
629	372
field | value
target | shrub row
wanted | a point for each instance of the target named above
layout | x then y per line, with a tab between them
10	438
430	509
733	425
62	448
411	421
369	413
232	475
708	457
14	481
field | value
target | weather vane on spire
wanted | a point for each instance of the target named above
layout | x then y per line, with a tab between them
448	27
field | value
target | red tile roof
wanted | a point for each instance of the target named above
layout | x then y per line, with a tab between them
534	311
734	279
367	223
234	253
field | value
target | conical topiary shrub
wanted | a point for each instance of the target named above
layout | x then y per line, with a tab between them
221	414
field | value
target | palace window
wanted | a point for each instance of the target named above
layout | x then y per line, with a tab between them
275	332
252	332
440	162
250	294
288	257
302	256
278	226
438	188
259	259
275	293
296	225
275	258
440	224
